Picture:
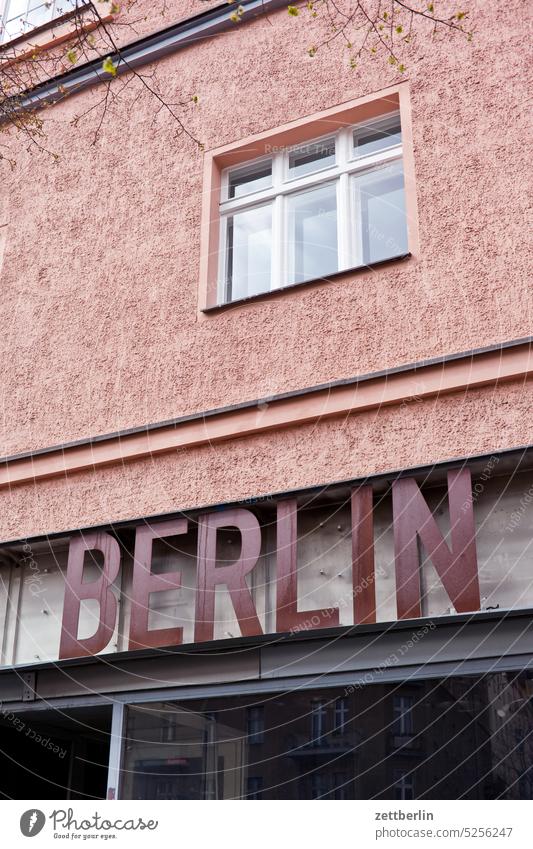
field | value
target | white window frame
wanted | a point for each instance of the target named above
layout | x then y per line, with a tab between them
403	719
57	8
319	718
404	784
347	167
341	715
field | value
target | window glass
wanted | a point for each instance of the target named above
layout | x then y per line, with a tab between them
403	715
255	725
319	714
377	136
312	233
348	210
472	739
254	787
311	157
250	178
40	14
24	15
381	203
15	9
341	715
403	785
249	252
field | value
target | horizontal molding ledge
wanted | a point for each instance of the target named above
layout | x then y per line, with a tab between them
429	379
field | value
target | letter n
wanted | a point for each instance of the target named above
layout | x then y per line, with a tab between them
413	521
77	590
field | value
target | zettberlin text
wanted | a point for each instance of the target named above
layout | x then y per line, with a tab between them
403	815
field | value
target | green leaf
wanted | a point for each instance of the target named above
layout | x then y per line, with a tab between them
72	56
109	67
292	10
237	15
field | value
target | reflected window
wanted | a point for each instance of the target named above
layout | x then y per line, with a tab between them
255	725
320	785
341	785
475	743
319	713
404	785
341	715
403	715
254	787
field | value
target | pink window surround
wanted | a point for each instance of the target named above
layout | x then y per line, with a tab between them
296	133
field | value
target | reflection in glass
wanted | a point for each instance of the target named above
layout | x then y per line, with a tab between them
311	157
249	252
249	178
383	222
443	738
20	16
312	236
378	136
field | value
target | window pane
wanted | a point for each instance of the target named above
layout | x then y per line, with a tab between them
383	222
311	157
379	135
312	234
250	178
473	740
15	9
63	6
39	16
249	252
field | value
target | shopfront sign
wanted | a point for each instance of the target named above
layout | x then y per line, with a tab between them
279	601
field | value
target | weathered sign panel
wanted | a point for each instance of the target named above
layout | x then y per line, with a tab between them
347	555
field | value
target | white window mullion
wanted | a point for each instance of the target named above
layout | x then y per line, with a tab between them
222	282
343	222
278	239
355	217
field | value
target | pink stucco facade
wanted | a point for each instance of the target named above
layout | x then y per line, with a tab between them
100	271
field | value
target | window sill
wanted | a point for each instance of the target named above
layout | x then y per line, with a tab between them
359	269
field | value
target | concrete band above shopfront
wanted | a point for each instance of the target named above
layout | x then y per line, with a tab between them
438	542
424	380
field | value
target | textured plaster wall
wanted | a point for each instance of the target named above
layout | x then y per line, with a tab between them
100	273
416	433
